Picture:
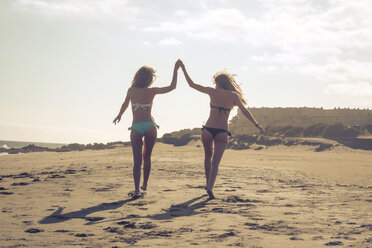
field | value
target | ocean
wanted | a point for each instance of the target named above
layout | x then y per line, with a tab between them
19	144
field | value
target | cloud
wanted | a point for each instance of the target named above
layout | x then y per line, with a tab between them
180	12
359	89
220	24
324	40
171	41
340	70
147	43
118	10
353	94
278	58
305	27
293	32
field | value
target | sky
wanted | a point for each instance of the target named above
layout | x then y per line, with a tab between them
65	65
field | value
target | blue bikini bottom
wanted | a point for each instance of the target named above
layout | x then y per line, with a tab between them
143	126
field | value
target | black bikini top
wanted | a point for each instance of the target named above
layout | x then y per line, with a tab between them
220	108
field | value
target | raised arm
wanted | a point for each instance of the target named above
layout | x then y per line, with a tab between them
172	86
124	106
247	114
206	90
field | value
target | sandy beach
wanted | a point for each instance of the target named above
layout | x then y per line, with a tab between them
274	197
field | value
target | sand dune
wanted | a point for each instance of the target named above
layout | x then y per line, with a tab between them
275	197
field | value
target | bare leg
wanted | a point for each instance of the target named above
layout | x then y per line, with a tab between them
207	140
150	138
220	143
136	140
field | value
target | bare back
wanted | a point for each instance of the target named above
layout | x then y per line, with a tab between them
224	100
140	97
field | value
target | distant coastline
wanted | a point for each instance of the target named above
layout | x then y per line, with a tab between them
20	144
320	135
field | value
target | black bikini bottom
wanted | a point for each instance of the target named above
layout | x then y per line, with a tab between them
215	131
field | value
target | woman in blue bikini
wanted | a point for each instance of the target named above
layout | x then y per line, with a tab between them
223	98
141	96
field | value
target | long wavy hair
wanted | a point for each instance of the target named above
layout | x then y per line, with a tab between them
226	81
143	77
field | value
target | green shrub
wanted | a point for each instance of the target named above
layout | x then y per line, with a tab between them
335	130
294	132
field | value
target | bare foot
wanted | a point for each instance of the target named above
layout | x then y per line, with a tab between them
134	195
144	187
211	196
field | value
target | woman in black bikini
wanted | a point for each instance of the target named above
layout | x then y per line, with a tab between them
225	96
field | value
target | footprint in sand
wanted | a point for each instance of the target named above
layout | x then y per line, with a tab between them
225	235
34	230
236	199
101	189
6	193
23	175
83	235
251	224
131	241
222	236
217	210
147	225
185	229
130	216
19	184
317	238
164	233
141	203
195	187
127	224
93	219
275	227
56	176
333	243
113	230
295	238
70	171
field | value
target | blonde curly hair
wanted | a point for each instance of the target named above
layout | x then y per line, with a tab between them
226	81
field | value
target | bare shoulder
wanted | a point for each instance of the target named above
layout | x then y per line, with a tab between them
153	90
134	91
235	97
130	90
208	90
230	94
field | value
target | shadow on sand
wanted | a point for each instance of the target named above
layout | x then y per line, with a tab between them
355	143
57	216
187	208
